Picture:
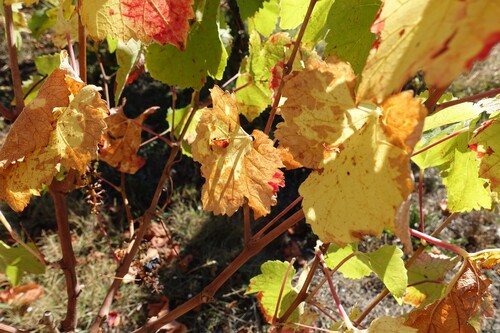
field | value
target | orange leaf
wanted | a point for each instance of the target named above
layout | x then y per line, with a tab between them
458	309
237	167
22	295
122	140
57	131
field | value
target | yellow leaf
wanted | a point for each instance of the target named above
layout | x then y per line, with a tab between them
442	38
361	153
237	167
122	140
58	130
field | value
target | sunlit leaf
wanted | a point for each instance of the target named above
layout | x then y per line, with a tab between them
203	56
462	33
237	167
356	150
147	21
122	140
269	283
59	130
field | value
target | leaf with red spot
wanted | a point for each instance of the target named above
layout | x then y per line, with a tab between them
165	21
441	38
486	144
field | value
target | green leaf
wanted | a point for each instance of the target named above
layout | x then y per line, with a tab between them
486	145
269	284
293	12
45	64
30	87
317	27
127	55
14	261
441	153
426	274
389	266
264	21
385	262
204	54
466	190
191	131
350	38
451	115
354	268
112	44
254	98
40	22
248	8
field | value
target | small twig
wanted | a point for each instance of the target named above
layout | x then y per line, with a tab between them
340	308
277	217
196	104
420	198
126	207
104	78
157	136
289	66
249	83
280	294
449	136
302	295
106	236
72	54
13	62
144	128
235	76
447	246
434	96
82	46
472	98
246	223
68	261
174	100
48	321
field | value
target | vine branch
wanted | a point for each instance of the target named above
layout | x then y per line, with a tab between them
251	249
289	66
13	62
68	261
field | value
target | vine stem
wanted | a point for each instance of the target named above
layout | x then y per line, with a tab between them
280	295
251	249
434	96
288	66
68	261
126	206
340	308
139	235
410	262
13	62
82	46
447	246
472	98
449	136
301	296
420	198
